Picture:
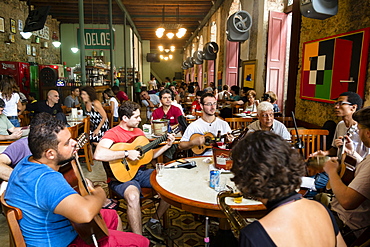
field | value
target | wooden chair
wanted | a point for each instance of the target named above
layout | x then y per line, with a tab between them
287	121
313	139
238	123
64	109
87	151
12	215
25	118
108	110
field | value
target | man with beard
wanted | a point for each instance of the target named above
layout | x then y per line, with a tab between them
207	123
129	114
48	202
266	121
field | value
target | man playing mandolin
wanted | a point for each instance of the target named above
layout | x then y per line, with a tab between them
208	123
129	113
48	202
352	202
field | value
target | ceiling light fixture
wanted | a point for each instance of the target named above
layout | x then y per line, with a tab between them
26	35
170	35
56	43
160	48
74	49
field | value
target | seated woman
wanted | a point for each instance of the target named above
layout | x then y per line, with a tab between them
252	103
110	100
266	168
270	96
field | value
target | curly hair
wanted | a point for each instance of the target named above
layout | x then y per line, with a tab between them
265	166
127	109
43	133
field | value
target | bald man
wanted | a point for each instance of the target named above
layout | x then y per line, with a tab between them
51	105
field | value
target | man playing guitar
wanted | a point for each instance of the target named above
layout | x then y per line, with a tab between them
129	113
207	123
48	202
352	202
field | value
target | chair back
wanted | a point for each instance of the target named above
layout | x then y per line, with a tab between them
12	215
287	121
87	150
238	123
86	122
64	109
108	109
313	139
74	131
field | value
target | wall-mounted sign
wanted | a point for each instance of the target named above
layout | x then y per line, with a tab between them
13	28
42	33
20	25
96	39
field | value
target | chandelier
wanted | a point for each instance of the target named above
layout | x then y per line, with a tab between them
168	26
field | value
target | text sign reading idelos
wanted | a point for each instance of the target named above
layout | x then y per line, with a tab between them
97	39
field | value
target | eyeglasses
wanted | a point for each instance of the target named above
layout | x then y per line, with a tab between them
340	103
211	104
267	115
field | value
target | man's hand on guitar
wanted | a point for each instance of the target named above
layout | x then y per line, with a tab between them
133	154
331	166
170	139
198	141
349	148
319	153
229	137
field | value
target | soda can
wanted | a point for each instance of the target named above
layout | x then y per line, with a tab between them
214	179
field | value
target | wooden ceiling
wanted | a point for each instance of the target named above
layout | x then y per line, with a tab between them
147	15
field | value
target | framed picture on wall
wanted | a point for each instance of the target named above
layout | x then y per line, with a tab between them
28	50
2	25
249	73
13	26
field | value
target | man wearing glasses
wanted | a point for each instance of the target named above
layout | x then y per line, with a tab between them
266	121
207	123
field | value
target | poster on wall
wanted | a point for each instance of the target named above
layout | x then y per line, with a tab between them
333	65
249	73
2	26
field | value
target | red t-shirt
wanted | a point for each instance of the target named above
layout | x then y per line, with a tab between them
196	105
173	113
121	96
117	134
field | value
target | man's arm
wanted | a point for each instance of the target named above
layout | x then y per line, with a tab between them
161	150
14	136
185	145
347	197
103	152
5	169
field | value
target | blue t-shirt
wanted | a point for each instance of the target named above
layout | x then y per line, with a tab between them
37	189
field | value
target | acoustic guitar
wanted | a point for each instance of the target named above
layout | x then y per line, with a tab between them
210	140
90	232
347	166
125	169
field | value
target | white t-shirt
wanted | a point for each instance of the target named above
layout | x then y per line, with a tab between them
11	107
115	110
201	127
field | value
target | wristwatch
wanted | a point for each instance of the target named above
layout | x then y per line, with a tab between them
126	153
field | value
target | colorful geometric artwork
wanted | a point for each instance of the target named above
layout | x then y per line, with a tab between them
333	65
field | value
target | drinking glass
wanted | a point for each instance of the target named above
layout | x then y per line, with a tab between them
159	168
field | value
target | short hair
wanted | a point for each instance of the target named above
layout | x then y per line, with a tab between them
190	89
251	93
225	87
2	103
166	91
73	88
91	92
199	93
266	166
205	95
235	88
115	88
43	133
32	94
353	98
272	96
127	109
264	106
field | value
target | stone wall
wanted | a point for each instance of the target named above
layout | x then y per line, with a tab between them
352	15
18	10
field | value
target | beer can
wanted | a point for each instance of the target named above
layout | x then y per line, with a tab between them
214	179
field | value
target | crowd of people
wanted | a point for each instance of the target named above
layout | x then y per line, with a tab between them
265	166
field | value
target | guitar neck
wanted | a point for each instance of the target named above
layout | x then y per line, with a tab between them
154	144
81	174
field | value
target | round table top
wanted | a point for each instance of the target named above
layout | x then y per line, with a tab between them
189	190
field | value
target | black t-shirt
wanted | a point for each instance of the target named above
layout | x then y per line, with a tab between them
255	235
41	106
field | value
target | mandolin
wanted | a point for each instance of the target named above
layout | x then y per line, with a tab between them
96	229
125	169
210	140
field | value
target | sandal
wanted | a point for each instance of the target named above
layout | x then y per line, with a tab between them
113	204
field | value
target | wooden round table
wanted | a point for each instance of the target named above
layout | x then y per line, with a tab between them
188	189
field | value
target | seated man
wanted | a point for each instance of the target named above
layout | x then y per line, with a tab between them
48	202
352	202
195	106
207	123
121	96
50	105
151	101
129	113
167	111
6	125
266	121
71	100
